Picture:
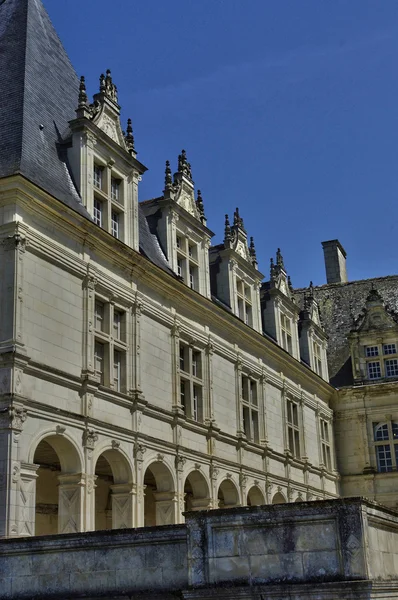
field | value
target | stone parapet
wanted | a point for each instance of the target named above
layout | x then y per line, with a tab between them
342	549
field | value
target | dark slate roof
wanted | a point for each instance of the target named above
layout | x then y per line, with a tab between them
39	93
340	304
149	245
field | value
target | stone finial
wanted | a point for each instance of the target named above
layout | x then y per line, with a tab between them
238	221
107	86
199	205
279	258
184	166
252	249
83	99
168	181
289	284
272	269
227	230
129	137
374	295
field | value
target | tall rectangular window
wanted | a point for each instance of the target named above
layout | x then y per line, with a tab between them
250	408
293	428
187	261
326	444
110	346
191	382
244	301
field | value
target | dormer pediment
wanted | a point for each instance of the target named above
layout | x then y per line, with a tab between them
104	112
375	316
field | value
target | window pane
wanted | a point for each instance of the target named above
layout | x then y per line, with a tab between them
183	399
115	217
246	421
395	431
374	371
372	351
197	403
99	360
380	431
98	212
255	426
391	367
384	460
98	176
390	349
115	189
117	366
196	364
99	312
117	324
182	357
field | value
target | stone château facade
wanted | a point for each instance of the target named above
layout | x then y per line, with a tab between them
143	371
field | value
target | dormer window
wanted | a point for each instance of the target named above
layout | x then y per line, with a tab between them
382	368
98	176
317	358
187	264
286	331
244	302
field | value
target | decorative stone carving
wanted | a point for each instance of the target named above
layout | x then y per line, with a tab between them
90	438
180	463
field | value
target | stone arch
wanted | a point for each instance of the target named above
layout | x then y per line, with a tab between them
255	497
228	495
113	486
279	498
160	502
70	454
58	507
196	491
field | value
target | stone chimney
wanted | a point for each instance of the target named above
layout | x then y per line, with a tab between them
335	261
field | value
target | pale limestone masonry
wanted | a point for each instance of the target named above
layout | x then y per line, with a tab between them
320	550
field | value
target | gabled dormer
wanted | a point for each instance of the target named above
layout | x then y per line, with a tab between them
235	278
104	162
312	338
178	220
374	342
279	309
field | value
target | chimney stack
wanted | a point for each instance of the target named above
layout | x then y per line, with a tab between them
335	262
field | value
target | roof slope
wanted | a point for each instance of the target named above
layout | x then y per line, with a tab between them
340	304
38	97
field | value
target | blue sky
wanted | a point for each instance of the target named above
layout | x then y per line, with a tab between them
287	109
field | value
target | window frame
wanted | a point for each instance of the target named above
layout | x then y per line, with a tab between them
191	380
250	407
113	342
293	430
388	444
